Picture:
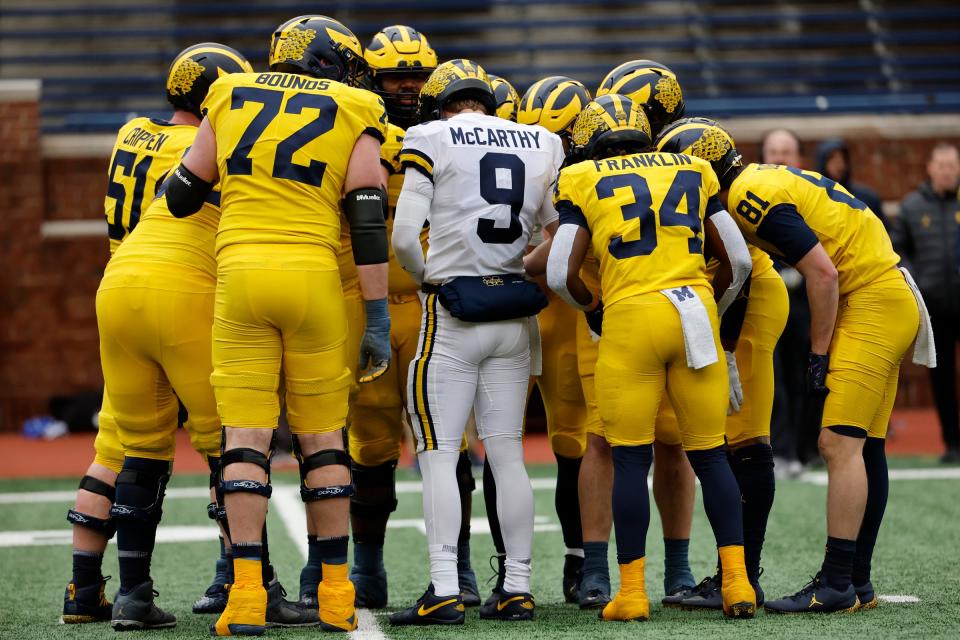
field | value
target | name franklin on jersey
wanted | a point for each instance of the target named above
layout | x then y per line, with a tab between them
643	160
486	137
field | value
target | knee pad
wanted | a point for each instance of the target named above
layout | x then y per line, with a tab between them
324	458
249	456
465	479
376	491
215	510
141	485
104	526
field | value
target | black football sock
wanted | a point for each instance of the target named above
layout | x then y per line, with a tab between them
631	504
87	567
490	502
721	495
140	489
838	563
878	486
567	501
466	484
753	467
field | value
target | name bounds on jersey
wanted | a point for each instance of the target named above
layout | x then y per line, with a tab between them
292	81
485	137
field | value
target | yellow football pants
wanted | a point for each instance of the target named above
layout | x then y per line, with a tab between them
642	354
560	386
280	306
875	326
763	323
376	416
154	348
106	446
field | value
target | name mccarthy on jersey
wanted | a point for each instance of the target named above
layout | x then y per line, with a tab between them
488	137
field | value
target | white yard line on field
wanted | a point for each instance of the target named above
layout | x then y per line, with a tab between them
899	599
65	536
286	500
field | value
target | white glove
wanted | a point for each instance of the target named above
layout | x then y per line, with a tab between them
736	391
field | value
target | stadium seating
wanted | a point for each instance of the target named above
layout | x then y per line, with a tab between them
105	59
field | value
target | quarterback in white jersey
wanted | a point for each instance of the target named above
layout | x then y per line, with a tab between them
482	184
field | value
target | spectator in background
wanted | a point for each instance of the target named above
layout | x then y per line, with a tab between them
833	161
927	237
790	444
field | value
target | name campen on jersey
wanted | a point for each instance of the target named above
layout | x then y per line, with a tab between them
139	137
643	160
292	81
484	137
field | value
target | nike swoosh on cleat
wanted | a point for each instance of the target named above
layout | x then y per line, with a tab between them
425	612
502	605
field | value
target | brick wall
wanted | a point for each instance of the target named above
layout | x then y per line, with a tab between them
48	335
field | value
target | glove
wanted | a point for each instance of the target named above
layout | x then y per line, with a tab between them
375	344
736	391
816	380
595	320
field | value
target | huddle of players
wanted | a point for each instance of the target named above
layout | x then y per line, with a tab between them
630	217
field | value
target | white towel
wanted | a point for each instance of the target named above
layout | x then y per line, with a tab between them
697	330
536	353
924	349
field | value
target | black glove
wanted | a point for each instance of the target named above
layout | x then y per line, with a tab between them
595	318
816	381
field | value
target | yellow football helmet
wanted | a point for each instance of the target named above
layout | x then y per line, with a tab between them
650	84
705	139
404	52
610	124
459	78
196	68
554	103
320	47
508	100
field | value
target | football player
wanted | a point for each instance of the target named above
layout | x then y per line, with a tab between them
482	183
400	59
508	100
287	147
146	149
749	332
854	288
653	87
553	103
644	215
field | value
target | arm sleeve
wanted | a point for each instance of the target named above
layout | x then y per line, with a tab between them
785	229
731	323
418	152
563	201
413	207
558	261
737	252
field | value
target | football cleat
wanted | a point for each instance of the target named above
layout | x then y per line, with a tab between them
675	598
135	610
739	598
816	597
310	577
282	613
336	596
87	604
572	575
594	598
371	588
500	575
631	602
468	587
431	609
509	606
214	599
246	612
705	595
867	596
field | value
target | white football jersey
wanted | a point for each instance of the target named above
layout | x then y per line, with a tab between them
492	186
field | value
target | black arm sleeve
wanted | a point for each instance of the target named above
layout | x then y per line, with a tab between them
785	229
713	206
185	192
366	211
732	321
571	214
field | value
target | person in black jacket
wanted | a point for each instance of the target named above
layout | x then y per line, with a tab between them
927	237
833	161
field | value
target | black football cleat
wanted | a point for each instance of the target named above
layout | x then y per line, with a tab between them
283	613
431	609
500	575
135	610
214	599
704	596
572	576
594	592
469	591
816	597
87	604
371	588
509	606
676	597
867	596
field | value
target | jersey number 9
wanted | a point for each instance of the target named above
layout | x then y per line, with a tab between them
490	165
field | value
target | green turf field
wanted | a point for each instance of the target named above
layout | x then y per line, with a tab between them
919	544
